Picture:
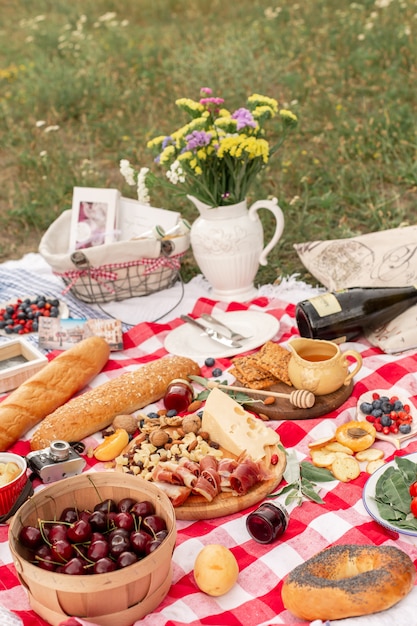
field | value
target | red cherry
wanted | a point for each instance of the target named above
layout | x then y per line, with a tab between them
125	559
98	550
30	537
103	566
74	567
142	509
79	532
98	521
154	523
125	520
126	504
57	531
139	540
62	551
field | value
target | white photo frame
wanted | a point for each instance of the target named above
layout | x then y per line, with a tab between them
93	217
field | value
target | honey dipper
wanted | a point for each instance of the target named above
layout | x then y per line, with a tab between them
300	398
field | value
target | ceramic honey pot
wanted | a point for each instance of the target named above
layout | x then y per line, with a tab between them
320	366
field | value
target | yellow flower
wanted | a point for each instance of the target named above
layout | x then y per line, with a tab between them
156	142
257	100
288	117
167	154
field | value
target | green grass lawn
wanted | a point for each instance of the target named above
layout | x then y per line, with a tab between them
86	83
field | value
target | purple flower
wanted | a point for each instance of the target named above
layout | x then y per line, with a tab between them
197	139
243	118
167	141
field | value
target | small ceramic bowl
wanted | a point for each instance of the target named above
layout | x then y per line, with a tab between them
9	493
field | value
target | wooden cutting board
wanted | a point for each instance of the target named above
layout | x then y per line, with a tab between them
282	409
196	507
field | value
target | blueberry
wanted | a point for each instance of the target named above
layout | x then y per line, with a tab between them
209	361
384	398
404	429
386	420
398	405
172	413
366	407
377	404
376	412
216	372
153	415
386	407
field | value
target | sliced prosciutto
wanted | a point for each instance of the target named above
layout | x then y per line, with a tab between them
246	475
206	488
225	468
176	493
174	473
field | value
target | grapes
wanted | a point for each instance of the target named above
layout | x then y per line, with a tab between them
112	536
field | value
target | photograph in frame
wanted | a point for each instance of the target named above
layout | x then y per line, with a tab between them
94	217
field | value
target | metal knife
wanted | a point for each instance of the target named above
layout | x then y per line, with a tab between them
210	332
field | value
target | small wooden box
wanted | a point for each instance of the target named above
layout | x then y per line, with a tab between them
18	361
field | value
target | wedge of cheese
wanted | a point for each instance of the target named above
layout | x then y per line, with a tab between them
236	430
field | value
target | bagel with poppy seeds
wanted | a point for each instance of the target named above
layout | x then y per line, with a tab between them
347	581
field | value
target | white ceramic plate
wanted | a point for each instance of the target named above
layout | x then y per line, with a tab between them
189	341
63	311
368	496
395	439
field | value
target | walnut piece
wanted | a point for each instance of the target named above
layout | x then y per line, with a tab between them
191	423
127	422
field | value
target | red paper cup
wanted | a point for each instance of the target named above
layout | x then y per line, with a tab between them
9	493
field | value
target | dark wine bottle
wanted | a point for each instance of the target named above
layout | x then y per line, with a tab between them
343	315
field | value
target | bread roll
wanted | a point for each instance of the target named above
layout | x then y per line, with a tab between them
51	387
95	409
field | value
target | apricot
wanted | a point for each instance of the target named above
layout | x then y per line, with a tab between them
356	435
215	570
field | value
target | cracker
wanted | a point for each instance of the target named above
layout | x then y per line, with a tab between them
335	446
372	466
345	468
274	358
370	454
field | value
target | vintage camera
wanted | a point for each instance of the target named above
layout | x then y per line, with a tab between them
58	461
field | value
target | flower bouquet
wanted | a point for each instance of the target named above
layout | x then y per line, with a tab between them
217	154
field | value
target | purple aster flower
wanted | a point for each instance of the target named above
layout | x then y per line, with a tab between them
243	118
197	139
166	142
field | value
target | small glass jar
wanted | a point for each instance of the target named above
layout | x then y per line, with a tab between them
179	395
269	521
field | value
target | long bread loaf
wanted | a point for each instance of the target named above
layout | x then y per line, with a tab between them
51	387
95	409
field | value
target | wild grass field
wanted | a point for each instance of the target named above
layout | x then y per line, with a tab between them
86	83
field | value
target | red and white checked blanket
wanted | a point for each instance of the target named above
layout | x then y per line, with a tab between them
256	599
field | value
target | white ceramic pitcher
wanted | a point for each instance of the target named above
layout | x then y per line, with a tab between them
228	246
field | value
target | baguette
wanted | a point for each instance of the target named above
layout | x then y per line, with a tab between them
95	409
51	387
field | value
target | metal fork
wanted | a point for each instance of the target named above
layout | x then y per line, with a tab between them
234	336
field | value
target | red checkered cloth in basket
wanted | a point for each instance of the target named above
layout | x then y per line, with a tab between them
256	599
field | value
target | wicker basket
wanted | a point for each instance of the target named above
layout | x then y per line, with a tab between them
120	597
112	272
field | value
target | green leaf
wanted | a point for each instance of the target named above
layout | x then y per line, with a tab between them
292	469
316	474
285	489
308	490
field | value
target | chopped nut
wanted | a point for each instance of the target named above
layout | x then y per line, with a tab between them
269	400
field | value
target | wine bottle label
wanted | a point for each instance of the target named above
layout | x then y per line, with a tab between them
326	304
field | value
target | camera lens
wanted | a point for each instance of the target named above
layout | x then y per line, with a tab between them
59	450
